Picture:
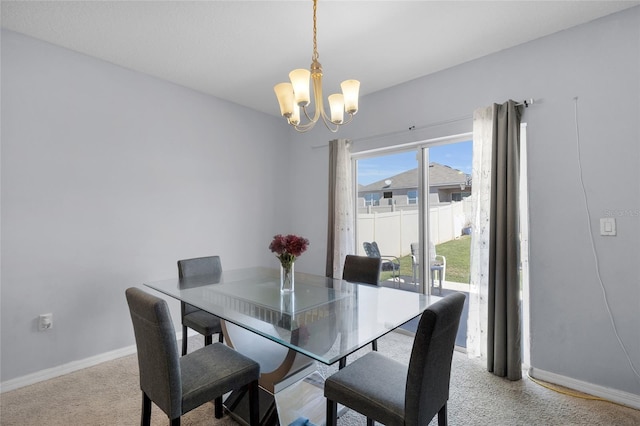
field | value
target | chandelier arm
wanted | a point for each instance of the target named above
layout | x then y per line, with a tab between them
348	120
328	126
316	79
319	99
304	127
306	114
317	95
319	112
327	120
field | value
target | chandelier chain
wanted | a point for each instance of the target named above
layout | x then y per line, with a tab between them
315	32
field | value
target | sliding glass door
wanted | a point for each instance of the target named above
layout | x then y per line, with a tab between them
412	203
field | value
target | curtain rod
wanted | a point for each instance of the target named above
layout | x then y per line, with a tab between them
526	103
398	132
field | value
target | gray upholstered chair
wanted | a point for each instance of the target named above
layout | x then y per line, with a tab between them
362	269
201	321
179	384
392	393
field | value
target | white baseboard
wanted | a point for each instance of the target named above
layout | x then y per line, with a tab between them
50	373
614	395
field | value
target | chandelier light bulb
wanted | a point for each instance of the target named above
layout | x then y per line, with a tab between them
300	82
284	93
336	105
294	119
350	90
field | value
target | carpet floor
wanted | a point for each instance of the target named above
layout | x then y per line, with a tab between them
109	394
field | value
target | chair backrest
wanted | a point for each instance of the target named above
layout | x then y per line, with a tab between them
371	249
415	252
209	265
430	364
362	269
199	266
158	359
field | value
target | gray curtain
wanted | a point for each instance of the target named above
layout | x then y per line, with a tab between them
340	229
504	356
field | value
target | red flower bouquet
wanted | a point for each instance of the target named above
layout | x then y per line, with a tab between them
287	248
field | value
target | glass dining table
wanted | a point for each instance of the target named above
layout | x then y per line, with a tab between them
322	320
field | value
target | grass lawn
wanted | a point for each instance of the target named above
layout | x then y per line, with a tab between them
457	253
458	256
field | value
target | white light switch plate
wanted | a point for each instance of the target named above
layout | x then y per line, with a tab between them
608	226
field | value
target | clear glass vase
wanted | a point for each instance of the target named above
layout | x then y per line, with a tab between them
287	278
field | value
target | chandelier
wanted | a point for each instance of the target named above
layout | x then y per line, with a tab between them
295	95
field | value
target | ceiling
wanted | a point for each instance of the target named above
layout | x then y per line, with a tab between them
238	50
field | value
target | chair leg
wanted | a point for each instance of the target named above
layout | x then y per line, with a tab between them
442	415
370	422
218	407
208	340
184	340
254	404
145	419
332	413
221	337
175	422
374	345
342	363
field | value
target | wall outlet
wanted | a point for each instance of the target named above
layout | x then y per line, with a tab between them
45	322
608	226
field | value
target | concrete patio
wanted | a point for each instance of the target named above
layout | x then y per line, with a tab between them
405	282
448	287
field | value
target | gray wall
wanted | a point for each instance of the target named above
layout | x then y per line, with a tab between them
599	63
108	177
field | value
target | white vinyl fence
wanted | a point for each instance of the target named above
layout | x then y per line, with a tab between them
395	231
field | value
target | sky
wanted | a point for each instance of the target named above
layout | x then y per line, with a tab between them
455	155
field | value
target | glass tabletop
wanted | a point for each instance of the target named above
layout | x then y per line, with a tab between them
324	318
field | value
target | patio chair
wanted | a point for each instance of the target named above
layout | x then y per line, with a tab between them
389	263
437	262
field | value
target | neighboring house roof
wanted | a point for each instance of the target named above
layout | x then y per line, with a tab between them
439	175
